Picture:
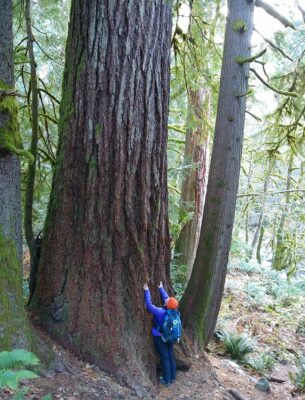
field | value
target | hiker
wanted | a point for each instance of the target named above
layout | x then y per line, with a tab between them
163	341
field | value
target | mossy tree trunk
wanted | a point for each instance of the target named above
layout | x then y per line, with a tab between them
107	228
201	301
14	331
195	179
278	259
32	241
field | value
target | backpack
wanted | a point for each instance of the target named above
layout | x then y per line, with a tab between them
171	328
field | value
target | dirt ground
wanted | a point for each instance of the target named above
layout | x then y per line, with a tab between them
211	378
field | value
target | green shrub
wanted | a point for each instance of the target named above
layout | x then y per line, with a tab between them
264	362
237	346
239	249
298	379
301	327
179	277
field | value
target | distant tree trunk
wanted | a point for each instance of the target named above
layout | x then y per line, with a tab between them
249	175
14	331
32	242
201	301
107	227
194	183
277	262
259	231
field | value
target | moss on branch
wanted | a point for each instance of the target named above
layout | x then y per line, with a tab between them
243	60
10	139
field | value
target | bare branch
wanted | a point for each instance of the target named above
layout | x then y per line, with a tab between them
273	45
282	92
270	193
274	13
301	9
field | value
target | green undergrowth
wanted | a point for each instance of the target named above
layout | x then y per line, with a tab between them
235	345
10	139
264	304
298	379
17	366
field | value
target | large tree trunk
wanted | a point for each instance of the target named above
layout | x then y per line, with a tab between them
14	330
107	228
201	301
194	183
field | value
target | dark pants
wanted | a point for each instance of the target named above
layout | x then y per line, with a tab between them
167	357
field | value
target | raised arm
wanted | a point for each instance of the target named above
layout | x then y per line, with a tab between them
157	311
163	293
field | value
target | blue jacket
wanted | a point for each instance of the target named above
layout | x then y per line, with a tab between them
158	312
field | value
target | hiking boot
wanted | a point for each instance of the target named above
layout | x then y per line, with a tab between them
162	381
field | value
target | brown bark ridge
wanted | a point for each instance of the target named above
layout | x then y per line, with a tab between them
32	242
195	180
14	330
107	228
201	301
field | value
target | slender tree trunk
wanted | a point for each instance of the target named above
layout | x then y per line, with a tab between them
32	242
249	175
277	262
107	228
194	184
14	331
258	231
201	301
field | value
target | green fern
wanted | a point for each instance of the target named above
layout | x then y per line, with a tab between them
11	373
17	358
11	364
264	362
11	378
237	346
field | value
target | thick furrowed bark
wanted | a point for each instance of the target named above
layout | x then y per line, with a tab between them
107	229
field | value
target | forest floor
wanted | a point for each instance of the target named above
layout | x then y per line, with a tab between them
257	302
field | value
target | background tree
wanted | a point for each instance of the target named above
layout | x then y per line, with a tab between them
14	327
195	177
107	230
194	85
201	300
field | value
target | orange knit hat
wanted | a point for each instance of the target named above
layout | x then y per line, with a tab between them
172	303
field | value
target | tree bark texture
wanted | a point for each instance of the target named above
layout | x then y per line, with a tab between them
107	228
195	180
30	182
13	322
201	301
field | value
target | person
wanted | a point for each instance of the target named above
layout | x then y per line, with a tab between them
165	350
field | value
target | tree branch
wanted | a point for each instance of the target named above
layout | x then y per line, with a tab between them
243	60
302	10
274	13
282	92
273	45
270	193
